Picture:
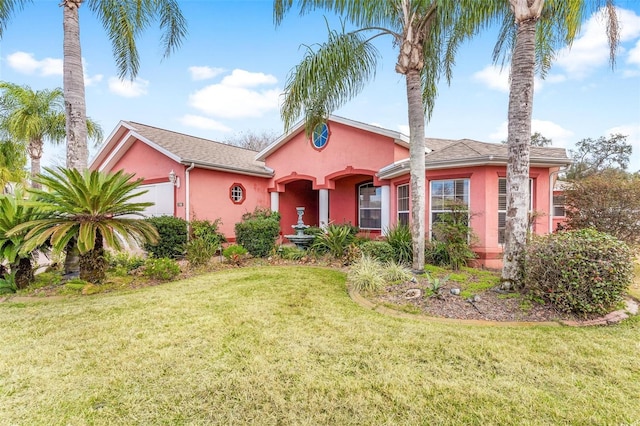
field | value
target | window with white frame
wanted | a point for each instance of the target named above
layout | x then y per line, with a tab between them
403	204
369	206
445	193
237	193
558	205
502	206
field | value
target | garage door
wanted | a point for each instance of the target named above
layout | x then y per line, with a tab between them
161	195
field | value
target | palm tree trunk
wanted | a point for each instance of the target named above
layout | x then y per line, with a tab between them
93	266
72	258
35	154
417	166
24	272
73	82
519	138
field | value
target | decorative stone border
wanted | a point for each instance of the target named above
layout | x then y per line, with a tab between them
631	308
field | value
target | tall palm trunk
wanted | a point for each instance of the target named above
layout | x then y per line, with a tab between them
519	139
35	154
73	82
417	166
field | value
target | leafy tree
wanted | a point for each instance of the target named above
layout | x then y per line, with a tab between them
92	207
338	70
123	21
34	116
253	140
538	139
608	202
596	155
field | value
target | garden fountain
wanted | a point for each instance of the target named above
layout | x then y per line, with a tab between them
300	239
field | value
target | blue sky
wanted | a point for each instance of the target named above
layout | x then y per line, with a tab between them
228	75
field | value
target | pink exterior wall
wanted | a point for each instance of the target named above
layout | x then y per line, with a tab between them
209	189
483	201
347	147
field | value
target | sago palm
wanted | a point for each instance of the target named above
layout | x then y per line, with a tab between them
93	208
338	70
123	21
14	212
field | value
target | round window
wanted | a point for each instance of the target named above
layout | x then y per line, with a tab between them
320	135
236	193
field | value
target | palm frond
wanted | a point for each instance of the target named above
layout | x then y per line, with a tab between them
328	77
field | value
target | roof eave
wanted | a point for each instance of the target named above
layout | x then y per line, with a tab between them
222	168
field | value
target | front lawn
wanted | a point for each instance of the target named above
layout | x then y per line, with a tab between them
286	345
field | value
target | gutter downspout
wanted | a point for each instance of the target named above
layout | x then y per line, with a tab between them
551	186
187	178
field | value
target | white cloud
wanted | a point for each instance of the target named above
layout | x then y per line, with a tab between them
90	81
242	78
560	137
127	88
497	78
236	96
633	138
26	63
204	73
591	50
200	122
634	54
494	77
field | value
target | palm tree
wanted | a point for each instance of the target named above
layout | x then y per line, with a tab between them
34	116
540	27
124	21
92	208
338	70
12	162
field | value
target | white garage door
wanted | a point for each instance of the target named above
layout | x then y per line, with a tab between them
161	194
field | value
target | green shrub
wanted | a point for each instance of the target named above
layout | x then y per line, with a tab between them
335	240
313	230
207	231
435	253
583	271
379	250
399	237
124	260
8	283
258	231
454	231
200	252
172	237
163	269
366	274
234	253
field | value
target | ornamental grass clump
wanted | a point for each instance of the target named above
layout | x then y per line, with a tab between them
366	274
582	272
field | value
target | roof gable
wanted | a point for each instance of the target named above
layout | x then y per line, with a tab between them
181	148
397	137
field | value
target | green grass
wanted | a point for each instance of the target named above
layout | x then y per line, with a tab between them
286	346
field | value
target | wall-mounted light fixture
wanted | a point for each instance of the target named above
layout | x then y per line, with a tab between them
175	180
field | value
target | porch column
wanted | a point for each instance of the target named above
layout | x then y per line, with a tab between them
323	207
385	208
275	201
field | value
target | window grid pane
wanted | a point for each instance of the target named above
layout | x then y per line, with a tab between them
443	193
369	206
403	204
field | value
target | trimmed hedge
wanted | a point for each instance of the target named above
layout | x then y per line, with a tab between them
172	239
258	231
582	272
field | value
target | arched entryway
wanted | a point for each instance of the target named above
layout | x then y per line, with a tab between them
298	193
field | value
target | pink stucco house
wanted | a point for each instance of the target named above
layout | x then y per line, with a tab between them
346	172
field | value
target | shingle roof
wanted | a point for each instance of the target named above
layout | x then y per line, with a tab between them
203	152
468	149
